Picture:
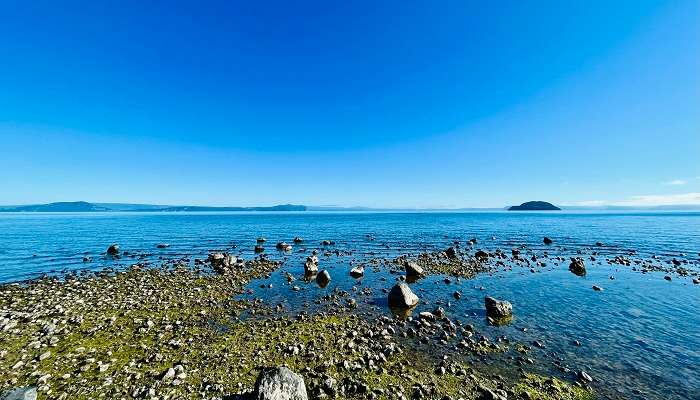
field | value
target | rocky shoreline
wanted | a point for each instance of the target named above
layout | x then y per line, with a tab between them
173	331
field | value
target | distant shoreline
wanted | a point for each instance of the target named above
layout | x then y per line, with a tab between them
86	207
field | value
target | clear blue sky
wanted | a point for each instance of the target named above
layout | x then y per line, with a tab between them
394	103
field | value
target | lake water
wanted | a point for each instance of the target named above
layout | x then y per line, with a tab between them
640	336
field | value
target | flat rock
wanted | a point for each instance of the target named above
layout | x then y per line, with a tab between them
27	393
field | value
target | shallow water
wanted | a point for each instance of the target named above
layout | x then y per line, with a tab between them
640	337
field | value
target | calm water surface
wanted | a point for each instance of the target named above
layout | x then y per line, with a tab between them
640	337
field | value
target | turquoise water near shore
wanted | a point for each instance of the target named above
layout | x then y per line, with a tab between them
640	336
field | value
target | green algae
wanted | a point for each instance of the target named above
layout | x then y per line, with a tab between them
537	387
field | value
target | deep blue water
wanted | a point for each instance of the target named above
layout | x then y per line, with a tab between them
640	337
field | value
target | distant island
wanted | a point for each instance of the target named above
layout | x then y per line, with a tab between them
83	206
535	206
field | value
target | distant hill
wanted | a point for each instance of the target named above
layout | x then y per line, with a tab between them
82	206
74	206
535	206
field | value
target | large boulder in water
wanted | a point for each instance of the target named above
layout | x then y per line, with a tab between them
323	278
27	393
311	265
498	308
413	270
577	266
279	383
113	249
401	296
357	272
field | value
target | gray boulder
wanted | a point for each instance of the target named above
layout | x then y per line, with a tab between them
27	393
498	308
401	296
279	383
413	270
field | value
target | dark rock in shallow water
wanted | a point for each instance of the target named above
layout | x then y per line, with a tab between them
163	245
401	296
451	252
498	308
547	240
535	206
357	272
113	249
577	266
283	246
259	249
311	265
323	278
261	240
582	376
413	270
481	254
279	383
27	393
298	239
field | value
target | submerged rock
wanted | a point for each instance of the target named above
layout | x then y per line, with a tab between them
547	240
27	393
298	239
163	245
451	252
577	266
279	383
113	249
498	308
401	296
259	249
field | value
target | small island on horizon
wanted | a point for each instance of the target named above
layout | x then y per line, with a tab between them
535	206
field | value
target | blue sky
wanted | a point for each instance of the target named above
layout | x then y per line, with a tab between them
385	104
